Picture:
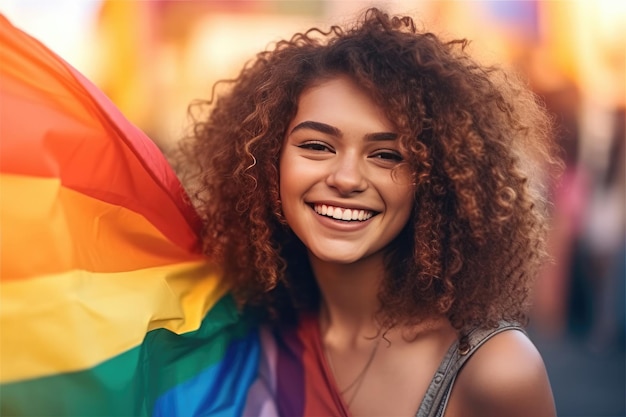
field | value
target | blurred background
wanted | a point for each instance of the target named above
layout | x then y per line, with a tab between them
152	58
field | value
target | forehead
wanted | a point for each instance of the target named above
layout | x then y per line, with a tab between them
340	101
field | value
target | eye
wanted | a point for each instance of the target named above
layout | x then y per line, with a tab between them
315	146
388	156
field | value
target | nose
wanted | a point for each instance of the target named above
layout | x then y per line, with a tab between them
347	174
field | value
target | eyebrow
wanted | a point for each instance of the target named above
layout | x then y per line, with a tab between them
333	131
317	126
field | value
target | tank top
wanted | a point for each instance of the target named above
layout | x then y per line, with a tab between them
294	378
436	398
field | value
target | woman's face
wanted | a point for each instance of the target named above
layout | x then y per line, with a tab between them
336	185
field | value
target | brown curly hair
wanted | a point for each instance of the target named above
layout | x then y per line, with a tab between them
478	143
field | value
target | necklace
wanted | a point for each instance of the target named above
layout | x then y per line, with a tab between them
355	385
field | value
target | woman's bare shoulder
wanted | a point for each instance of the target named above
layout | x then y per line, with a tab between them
505	377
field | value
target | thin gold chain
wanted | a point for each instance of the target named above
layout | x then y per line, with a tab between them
358	381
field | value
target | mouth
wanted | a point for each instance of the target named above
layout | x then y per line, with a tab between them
341	213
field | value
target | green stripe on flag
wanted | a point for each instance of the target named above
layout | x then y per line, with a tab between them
128	384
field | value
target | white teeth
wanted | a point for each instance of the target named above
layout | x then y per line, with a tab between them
345	214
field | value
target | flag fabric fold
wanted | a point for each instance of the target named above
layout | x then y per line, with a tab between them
107	306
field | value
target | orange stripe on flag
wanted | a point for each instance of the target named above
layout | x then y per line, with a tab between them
48	229
55	123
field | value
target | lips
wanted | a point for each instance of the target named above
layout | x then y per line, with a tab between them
342	213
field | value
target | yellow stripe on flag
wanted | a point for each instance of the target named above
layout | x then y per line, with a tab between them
75	320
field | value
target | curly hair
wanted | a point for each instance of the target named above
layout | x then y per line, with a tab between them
479	146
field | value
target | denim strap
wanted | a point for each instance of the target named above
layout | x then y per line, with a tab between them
436	398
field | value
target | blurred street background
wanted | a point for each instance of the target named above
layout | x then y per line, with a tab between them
152	58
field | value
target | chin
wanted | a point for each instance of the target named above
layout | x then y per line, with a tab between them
337	257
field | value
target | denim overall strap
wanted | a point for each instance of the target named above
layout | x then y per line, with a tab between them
436	398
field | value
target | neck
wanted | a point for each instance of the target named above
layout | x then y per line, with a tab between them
349	297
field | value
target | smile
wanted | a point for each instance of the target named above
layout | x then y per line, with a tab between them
340	213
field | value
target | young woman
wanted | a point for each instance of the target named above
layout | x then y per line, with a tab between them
375	194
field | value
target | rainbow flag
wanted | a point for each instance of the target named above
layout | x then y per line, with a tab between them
107	306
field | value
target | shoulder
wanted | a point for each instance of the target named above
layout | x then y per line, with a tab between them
505	377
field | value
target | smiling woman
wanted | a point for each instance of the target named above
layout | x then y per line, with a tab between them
340	153
375	183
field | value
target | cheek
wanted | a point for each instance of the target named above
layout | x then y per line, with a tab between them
408	198
404	203
405	189
400	192
296	175
287	185
285	177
